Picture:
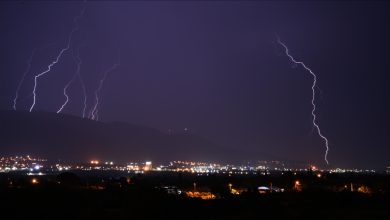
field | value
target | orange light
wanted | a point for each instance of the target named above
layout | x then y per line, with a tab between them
34	181
297	183
319	175
96	162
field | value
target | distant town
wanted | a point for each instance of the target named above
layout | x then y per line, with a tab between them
40	165
105	188
277	177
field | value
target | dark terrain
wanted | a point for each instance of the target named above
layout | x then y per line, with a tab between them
139	199
71	138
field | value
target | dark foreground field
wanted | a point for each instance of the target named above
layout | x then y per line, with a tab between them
142	203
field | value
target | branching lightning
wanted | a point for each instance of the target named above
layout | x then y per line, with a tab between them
63	50
27	70
313	87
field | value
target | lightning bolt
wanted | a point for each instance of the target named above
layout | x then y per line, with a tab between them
63	50
95	110
97	115
313	87
66	95
27	70
84	94
76	75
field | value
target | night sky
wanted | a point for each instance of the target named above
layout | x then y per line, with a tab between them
215	68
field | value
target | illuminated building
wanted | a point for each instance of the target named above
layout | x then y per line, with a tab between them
201	195
364	189
297	186
133	167
171	190
148	166
263	189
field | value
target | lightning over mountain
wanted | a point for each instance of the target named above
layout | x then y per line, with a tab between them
313	88
95	110
26	71
76	75
84	93
60	54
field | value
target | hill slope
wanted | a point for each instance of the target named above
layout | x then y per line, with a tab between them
66	137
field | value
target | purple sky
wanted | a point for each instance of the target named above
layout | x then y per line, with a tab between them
215	68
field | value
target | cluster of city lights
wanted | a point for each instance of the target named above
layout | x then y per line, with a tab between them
33	165
20	163
94	162
36	167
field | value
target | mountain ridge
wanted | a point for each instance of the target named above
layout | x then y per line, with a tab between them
68	137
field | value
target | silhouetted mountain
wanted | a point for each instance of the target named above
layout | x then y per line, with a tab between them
59	136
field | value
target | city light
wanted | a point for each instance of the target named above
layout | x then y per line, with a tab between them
34	181
201	195
148	166
36	166
94	162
